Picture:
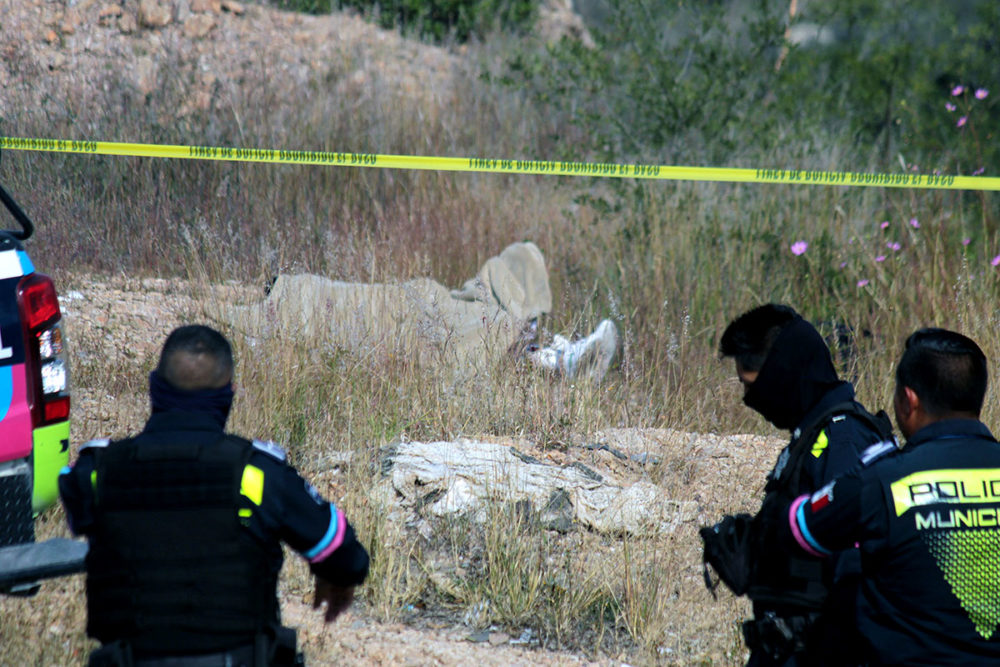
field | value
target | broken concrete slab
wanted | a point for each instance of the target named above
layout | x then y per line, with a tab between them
462	477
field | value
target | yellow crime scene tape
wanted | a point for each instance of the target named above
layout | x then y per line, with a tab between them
504	166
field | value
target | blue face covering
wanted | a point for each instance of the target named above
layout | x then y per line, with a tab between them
215	402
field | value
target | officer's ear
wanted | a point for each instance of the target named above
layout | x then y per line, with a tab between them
909	410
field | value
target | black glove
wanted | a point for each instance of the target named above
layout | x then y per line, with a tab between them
727	550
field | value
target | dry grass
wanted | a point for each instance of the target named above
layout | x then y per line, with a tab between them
670	262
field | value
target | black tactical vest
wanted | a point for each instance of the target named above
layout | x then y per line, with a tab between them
170	570
784	580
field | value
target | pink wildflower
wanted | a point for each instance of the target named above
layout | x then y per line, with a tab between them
977	172
961	121
949	106
995	261
957	90
892	245
981	93
880	258
966	241
885	224
843	264
863	282
799	247
914	223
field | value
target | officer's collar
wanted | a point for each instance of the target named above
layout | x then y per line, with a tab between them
950	428
182	420
165	397
842	393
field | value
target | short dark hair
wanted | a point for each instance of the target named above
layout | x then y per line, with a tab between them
946	370
750	336
196	357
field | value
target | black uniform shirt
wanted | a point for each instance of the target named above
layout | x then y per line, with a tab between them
840	444
276	503
926	518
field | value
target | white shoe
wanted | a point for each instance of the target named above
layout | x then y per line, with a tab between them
590	356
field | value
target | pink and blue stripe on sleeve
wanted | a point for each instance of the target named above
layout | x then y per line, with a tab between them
333	538
800	531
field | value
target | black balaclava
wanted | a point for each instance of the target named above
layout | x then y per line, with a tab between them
796	374
164	397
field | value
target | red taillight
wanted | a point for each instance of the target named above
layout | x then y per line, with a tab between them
57	410
45	354
38	300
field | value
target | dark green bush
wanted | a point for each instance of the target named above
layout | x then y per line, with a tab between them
306	6
702	82
678	79
437	20
904	75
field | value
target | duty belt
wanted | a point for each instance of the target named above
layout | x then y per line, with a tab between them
239	657
119	654
778	637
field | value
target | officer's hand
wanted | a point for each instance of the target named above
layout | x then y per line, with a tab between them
337	598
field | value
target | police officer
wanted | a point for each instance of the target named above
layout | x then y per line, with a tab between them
789	378
185	524
926	516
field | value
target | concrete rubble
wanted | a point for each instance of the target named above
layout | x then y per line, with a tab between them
467	477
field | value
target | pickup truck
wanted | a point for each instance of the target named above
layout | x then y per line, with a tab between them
34	415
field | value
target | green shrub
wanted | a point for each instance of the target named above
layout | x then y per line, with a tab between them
437	20
905	96
305	6
710	83
673	78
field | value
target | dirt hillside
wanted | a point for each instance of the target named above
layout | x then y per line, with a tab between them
55	51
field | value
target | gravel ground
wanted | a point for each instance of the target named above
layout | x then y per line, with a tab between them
53	52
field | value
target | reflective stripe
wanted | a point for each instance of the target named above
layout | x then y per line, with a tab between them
6	390
246	513
331	540
102	442
26	266
879	449
796	520
252	485
10	264
270	448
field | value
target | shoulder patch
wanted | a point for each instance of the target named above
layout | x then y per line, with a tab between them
818	447
270	448
878	450
101	442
